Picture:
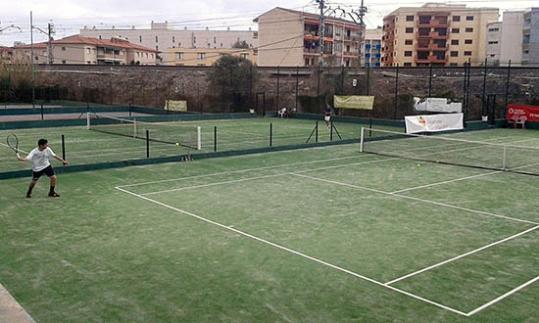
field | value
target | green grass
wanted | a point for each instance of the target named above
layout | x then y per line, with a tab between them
99	254
90	147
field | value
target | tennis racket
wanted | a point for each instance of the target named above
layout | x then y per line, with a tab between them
13	142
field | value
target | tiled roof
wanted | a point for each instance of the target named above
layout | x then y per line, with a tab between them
81	40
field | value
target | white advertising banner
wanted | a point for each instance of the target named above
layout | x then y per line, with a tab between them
441	105
434	122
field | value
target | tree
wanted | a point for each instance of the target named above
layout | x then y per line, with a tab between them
242	44
234	78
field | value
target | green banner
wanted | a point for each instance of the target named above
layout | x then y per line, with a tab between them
357	102
172	105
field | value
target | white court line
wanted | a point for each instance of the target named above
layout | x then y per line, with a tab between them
445	182
496	300
418	199
215	184
461	256
258	177
241	171
297	253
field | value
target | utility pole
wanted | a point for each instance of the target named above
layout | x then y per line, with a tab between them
321	29
32	60
49	44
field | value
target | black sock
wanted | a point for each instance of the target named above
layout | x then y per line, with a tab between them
51	190
30	188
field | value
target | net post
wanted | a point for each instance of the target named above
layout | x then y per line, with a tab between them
199	138
316	132
271	135
215	139
88	120
63	148
42	116
362	139
504	158
147	143
370	128
135	128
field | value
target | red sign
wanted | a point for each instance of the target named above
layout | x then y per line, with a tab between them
528	113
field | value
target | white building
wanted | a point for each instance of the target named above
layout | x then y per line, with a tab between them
494	42
161	37
512	35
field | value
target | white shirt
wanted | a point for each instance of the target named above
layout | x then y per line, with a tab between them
40	159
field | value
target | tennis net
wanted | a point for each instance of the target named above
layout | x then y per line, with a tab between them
173	133
452	151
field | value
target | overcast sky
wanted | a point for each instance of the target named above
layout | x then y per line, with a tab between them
70	15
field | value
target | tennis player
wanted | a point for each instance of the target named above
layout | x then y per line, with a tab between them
41	165
327	115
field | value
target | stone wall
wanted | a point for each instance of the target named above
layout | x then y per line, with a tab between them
276	87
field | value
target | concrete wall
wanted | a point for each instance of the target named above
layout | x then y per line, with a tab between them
152	85
494	39
511	41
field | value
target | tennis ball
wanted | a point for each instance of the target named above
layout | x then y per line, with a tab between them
177	144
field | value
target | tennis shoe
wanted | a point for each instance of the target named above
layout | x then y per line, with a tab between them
54	194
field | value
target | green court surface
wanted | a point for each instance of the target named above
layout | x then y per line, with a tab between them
325	234
89	147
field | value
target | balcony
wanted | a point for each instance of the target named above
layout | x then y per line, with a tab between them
437	60
311	51
436	35
439	24
422	60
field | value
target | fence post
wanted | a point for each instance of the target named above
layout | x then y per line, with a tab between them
278	86
430	80
368	80
396	91
297	87
342	79
271	135
507	84
42	117
316	132
484	95
147	143
215	139
63	148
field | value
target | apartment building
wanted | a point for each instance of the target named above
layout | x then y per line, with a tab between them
291	38
494	43
161	37
437	34
530	42
205	56
372	48
86	50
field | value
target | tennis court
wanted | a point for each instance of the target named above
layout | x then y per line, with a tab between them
396	233
114	139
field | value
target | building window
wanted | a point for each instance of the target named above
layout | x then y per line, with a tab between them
492	42
456	18
156	39
140	39
244	56
468	41
409	18
215	40
455	30
408	53
407	64
454	42
453	64
179	56
409	30
469	30
99	36
454	54
64	61
88	51
173	39
63	48
408	42
201	56
88	62
493	29
467	53
469	18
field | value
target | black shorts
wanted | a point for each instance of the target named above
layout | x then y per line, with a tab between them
49	171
